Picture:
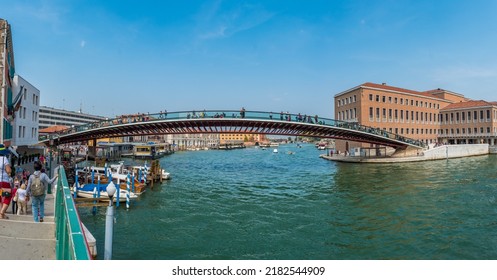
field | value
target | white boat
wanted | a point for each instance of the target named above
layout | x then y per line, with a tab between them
165	175
88	190
275	151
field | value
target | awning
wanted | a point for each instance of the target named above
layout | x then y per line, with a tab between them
13	151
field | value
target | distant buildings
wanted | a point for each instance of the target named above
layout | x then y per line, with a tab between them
434	116
51	116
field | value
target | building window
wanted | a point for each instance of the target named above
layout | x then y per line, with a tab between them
469	116
475	115
402	101
463	116
412	104
383	99
395	100
488	115
377	98
371	112
370	97
377	113
481	114
389	99
384	113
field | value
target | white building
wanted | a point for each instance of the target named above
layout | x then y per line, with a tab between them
51	116
25	125
188	141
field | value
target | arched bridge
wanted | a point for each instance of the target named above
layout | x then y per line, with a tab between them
239	122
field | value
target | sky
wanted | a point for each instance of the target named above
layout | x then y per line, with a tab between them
120	57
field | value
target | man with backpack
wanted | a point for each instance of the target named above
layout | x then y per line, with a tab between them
37	189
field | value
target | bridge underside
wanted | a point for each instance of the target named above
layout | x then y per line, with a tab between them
235	126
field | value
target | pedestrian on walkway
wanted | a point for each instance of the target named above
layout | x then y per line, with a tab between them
37	190
22	200
5	185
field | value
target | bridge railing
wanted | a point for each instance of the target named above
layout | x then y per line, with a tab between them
70	240
240	114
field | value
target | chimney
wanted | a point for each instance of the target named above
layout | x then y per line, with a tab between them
383	84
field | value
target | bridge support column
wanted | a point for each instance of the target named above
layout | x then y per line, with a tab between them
92	148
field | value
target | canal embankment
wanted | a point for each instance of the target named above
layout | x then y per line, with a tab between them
436	153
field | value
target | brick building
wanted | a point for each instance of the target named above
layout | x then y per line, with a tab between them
432	116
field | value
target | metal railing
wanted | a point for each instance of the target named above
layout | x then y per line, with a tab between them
70	239
230	114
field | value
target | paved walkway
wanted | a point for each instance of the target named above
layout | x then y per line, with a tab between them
23	239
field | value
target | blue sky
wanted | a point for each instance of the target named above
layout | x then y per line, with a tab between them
117	57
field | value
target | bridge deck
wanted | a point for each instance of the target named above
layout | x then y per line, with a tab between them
233	122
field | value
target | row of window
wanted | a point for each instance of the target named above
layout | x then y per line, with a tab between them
22	114
468	115
401	114
402	101
347	100
452	131
21	132
469	131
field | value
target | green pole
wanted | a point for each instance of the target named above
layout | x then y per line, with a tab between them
50	170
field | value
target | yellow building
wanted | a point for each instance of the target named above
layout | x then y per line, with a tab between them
228	138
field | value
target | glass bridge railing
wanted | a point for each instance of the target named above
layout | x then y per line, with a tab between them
255	115
69	235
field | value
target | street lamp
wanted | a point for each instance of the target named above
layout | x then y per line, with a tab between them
109	222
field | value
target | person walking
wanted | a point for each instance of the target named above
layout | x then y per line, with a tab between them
37	190
21	200
5	185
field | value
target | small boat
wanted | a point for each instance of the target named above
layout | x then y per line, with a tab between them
165	175
88	190
275	151
290	153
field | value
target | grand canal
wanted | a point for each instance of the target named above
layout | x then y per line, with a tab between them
253	204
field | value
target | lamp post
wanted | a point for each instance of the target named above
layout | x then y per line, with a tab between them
109	222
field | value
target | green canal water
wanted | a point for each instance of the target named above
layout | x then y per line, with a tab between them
252	204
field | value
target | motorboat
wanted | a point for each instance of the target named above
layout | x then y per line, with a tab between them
92	191
165	175
275	151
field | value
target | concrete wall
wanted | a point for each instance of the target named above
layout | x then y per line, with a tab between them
493	149
455	151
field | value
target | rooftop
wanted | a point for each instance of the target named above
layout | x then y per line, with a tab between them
469	104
